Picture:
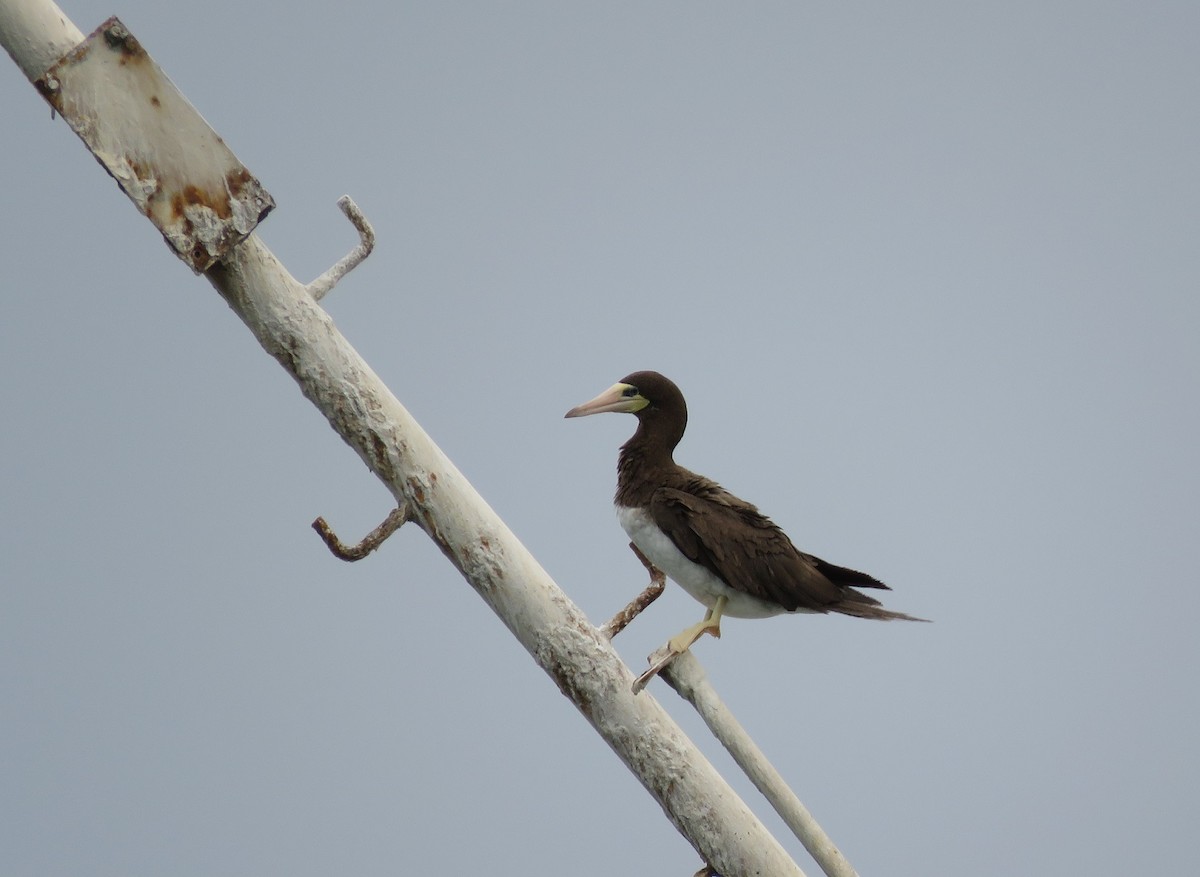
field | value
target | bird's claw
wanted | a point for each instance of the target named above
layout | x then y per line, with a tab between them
676	646
659	659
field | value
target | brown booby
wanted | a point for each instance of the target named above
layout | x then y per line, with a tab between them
718	548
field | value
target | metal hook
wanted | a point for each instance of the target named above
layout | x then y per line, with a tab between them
658	581
350	261
393	522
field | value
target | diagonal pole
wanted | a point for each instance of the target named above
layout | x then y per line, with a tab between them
285	318
687	676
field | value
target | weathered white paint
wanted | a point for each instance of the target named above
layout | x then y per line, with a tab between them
687	676
35	33
366	243
297	332
291	326
164	156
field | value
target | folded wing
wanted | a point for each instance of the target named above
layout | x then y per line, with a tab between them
745	549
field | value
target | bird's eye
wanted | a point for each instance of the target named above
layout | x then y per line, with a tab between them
629	392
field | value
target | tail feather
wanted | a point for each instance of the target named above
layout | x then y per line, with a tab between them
859	605
843	575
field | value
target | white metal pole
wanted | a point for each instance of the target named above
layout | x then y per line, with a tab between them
687	676
36	34
284	317
582	662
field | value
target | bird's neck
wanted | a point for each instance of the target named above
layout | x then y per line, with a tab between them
645	464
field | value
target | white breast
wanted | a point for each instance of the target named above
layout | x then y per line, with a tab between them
692	577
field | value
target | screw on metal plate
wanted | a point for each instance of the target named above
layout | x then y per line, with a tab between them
115	33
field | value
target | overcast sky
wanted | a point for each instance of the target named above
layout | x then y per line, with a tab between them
929	277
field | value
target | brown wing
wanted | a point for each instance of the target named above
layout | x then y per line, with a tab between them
748	552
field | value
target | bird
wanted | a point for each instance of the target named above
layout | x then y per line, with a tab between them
720	549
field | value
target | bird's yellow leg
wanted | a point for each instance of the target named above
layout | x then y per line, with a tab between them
681	642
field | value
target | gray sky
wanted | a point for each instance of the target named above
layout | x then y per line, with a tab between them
927	274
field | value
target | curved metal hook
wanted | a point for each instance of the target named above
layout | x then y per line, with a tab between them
366	234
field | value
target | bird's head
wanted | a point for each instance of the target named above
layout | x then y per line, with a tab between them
634	394
652	398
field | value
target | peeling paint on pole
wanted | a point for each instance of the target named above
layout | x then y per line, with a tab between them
290	325
151	140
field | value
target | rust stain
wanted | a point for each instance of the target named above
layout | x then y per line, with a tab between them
49	88
193	196
237	180
221	203
383	460
143	173
121	40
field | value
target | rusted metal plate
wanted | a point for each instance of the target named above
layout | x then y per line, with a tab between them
161	152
